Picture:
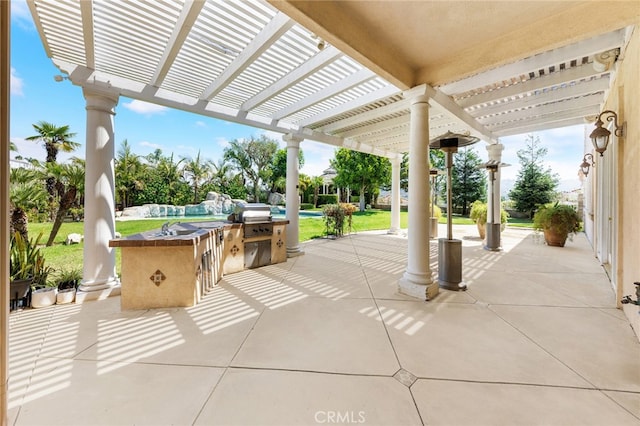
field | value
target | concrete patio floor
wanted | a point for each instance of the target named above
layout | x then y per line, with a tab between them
325	339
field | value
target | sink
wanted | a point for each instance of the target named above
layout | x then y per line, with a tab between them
183	231
175	232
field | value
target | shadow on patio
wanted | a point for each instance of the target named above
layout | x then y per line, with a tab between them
325	338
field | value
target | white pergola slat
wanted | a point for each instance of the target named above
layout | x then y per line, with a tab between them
249	63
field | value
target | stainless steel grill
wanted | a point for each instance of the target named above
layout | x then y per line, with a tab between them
258	229
252	213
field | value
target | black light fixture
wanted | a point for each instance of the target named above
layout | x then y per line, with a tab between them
600	135
586	165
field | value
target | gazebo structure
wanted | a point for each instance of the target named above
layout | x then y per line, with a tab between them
377	77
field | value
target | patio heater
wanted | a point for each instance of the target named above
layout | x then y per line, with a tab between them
433	230
449	249
493	206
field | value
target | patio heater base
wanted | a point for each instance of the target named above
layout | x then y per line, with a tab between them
450	264
433	231
493	237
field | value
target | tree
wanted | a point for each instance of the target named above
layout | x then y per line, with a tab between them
55	139
196	171
316	183
279	169
359	170
26	193
468	182
253	158
69	178
129	174
534	185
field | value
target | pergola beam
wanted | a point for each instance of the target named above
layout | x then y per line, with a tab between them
188	16
345	84
278	26
316	63
554	57
547	81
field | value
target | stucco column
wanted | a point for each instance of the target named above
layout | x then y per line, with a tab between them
493	199
395	195
5	80
293	196
99	275
417	281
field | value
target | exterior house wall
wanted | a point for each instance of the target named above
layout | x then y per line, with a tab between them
623	99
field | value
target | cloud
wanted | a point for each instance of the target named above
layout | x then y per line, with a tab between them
200	123
20	14
222	141
145	108
16	83
150	145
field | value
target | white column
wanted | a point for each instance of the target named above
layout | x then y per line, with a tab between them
99	275
417	281
493	199
5	83
395	195
293	198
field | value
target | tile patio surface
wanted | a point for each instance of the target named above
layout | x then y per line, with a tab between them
325	338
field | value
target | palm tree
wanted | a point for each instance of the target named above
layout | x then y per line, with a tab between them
196	171
304	182
316	183
128	171
55	139
171	174
69	178
26	192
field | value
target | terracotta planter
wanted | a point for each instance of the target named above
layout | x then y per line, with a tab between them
554	238
482	229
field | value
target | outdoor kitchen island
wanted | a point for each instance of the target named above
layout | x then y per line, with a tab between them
177	265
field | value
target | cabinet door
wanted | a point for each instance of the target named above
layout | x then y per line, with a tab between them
279	244
233	251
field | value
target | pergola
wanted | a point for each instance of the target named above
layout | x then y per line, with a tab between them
377	77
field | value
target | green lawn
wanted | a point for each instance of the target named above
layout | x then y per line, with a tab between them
63	257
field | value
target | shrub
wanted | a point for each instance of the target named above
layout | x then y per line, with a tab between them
327	199
479	210
334	217
306	206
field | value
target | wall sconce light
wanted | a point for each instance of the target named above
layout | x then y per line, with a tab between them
586	165
600	135
58	78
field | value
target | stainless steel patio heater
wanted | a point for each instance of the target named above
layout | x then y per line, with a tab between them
433	229
493	214
449	249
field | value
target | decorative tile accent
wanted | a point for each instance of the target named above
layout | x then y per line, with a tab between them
279	243
234	250
158	277
404	377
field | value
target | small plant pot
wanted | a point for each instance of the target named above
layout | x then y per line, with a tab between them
43	297
66	296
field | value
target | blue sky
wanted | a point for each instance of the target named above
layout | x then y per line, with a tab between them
35	96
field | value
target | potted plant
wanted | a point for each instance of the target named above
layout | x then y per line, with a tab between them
557	221
478	214
26	268
68	281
